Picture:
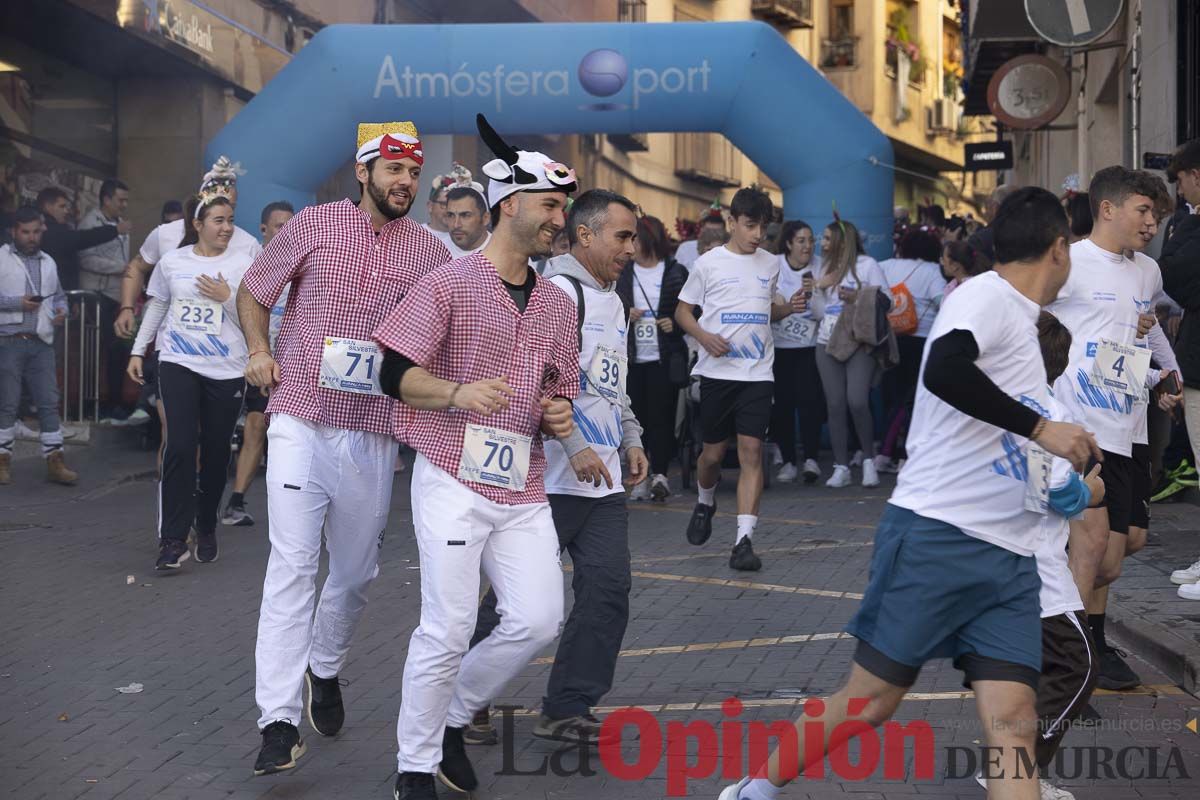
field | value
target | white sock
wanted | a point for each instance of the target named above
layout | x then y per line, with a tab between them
51	442
759	789
708	496
7	435
746	523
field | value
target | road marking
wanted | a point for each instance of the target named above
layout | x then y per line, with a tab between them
736	644
781	520
792	549
734	584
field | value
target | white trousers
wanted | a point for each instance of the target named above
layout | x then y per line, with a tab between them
1191	415
458	531
317	478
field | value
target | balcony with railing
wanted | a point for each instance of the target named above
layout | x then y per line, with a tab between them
707	158
839	53
784	13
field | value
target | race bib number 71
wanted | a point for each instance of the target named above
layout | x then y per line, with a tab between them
351	365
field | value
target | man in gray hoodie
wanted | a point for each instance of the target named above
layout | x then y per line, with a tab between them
584	476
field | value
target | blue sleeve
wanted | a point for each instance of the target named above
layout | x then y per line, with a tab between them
1072	498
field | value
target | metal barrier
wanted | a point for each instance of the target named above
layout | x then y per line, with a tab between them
88	369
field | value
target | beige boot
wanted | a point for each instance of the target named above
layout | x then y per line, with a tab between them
56	469
5	468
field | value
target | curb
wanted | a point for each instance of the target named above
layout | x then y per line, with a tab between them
1176	657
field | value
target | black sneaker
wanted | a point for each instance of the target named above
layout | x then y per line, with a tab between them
743	556
481	731
414	786
584	729
236	515
1115	674
281	748
700	525
206	546
323	703
171	554
456	771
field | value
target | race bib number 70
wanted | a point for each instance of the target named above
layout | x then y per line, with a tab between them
495	457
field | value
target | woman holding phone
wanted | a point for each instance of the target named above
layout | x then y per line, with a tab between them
202	355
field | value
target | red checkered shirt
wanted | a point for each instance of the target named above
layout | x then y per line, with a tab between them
345	279
461	325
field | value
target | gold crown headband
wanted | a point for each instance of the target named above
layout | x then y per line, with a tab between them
211	194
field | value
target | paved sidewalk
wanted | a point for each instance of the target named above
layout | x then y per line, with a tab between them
75	629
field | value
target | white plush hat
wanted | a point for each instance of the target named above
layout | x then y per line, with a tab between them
515	170
223	173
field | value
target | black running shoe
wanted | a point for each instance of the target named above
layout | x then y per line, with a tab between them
323	703
281	748
171	554
206	546
414	786
1115	674
236	515
481	731
700	525
456	771
743	556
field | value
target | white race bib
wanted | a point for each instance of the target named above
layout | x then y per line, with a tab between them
644	330
1121	367
197	315
799	330
351	365
828	323
494	457
1037	482
606	375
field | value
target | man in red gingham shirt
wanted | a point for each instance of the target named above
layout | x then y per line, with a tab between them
331	429
484	356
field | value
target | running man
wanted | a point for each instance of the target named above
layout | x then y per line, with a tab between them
485	357
953	573
331	426
735	284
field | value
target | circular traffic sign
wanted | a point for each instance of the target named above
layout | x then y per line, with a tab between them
1029	91
1073	23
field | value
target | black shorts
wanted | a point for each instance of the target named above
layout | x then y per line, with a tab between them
1069	673
256	401
1127	489
729	407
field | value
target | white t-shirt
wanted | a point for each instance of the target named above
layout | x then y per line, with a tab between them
277	311
687	253
442	236
1101	300
735	291
598	418
828	306
968	473
1059	594
166	237
221	355
647	292
457	252
795	331
924	281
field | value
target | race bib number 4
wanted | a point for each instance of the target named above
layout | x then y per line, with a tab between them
197	315
1037	482
606	375
351	365
495	457
1121	367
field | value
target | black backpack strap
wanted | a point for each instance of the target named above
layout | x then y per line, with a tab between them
579	308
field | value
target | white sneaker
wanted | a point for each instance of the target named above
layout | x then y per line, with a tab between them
641	491
1189	591
776	455
787	473
731	792
1189	575
812	471
840	478
139	417
1051	792
660	487
870	475
25	433
884	464
857	459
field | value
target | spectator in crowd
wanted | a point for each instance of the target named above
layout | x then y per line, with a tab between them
981	240
1079	212
171	211
709	238
467	218
960	261
687	252
62	242
32	305
101	270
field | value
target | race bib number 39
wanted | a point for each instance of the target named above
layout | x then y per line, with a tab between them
1121	367
495	457
606	375
351	365
197	315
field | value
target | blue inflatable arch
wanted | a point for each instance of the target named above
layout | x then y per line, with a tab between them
740	79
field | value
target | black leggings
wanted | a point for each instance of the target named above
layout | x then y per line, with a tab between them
200	412
900	394
654	399
797	388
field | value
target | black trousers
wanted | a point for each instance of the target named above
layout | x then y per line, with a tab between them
654	399
114	356
595	532
201	412
900	393
1069	673
797	389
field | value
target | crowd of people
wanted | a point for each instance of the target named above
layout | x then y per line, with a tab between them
549	353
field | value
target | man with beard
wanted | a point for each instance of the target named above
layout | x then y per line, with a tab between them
331	430
484	355
466	214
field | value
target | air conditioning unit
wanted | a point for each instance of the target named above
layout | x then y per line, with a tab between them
942	115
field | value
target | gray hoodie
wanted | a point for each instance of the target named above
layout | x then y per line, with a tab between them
631	429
